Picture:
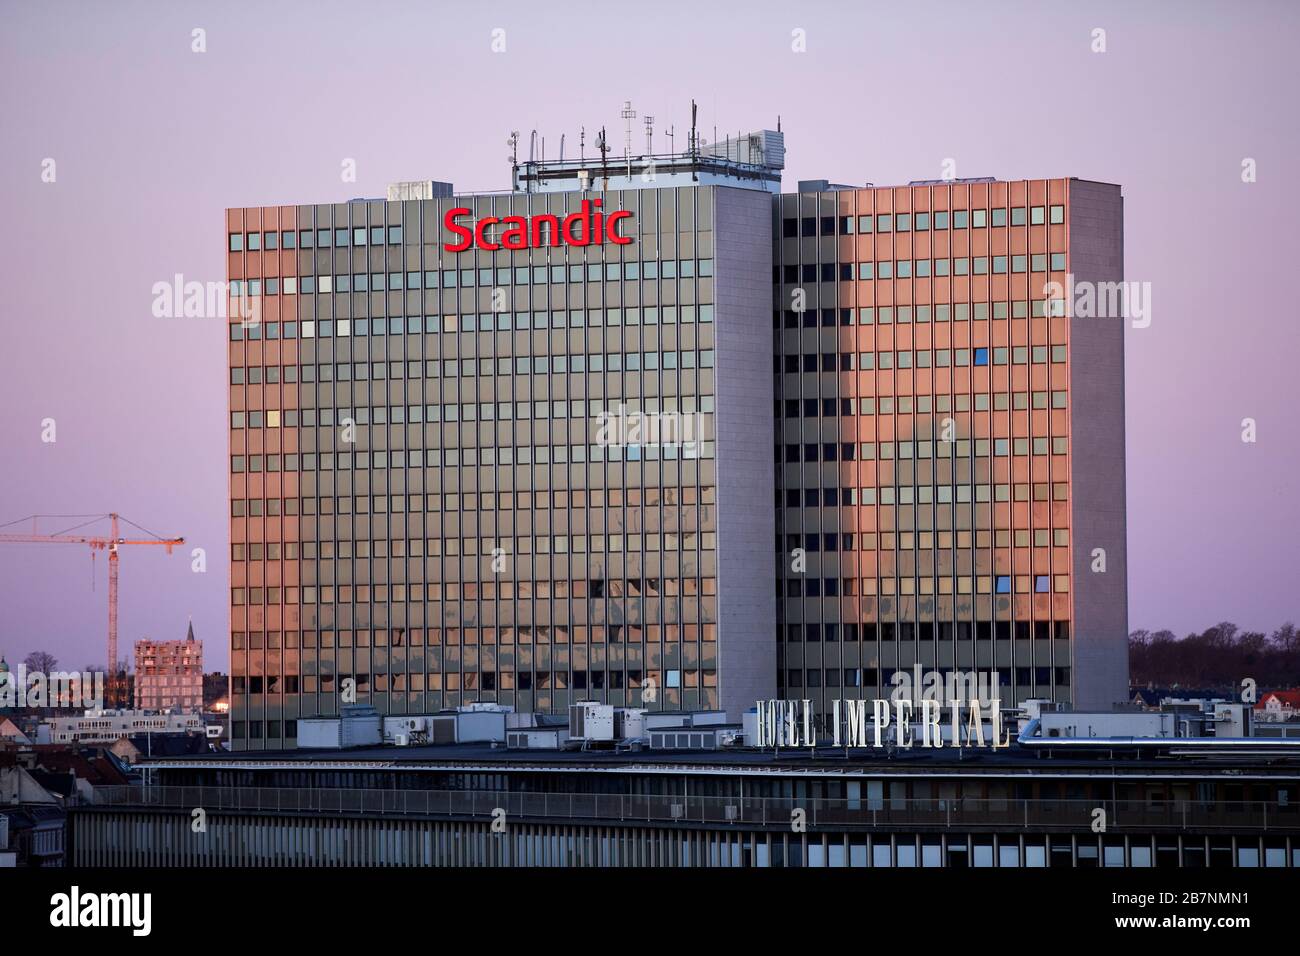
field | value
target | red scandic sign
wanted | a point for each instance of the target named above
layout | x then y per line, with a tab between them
587	227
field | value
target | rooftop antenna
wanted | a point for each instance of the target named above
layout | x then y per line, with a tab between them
691	143
561	147
628	115
532	146
778	122
693	146
582	143
649	135
670	139
513	142
603	146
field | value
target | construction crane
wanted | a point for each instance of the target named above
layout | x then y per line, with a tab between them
112	543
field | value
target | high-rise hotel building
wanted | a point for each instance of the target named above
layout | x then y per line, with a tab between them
732	445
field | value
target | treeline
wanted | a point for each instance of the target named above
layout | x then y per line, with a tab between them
1219	657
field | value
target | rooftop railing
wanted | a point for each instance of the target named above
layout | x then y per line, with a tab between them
945	813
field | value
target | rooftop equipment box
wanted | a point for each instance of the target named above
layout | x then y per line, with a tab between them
589	720
355	727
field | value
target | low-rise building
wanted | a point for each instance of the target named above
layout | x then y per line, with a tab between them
109	726
609	790
1278	706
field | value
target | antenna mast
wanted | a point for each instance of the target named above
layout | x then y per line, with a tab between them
628	115
603	146
513	142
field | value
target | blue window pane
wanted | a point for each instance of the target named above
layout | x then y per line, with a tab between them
981	356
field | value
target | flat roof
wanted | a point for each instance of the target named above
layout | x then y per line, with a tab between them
824	761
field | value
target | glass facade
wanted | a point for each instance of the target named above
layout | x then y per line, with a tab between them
527	476
923	452
474	476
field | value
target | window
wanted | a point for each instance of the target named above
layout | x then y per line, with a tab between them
1057	214
981	356
236	242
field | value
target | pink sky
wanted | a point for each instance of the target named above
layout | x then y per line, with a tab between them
152	142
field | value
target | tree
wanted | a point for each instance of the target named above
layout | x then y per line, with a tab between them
1217	658
1286	638
41	661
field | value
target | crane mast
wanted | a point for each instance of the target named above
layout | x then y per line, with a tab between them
112	543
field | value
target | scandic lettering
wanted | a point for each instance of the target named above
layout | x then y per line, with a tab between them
589	226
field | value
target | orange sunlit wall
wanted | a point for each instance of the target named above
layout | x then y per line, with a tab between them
264	524
938	533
